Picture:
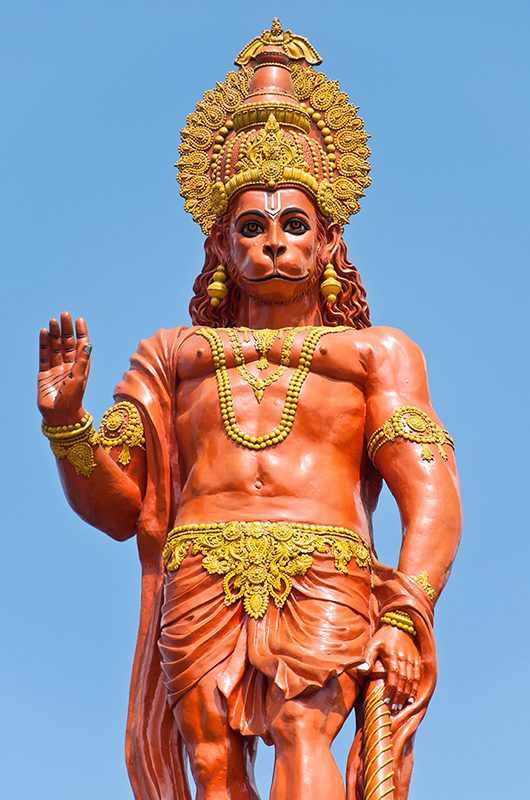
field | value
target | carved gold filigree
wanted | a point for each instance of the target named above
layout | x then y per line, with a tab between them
263	346
414	425
122	427
324	152
295	47
200	135
74	442
79	453
270	159
423	580
259	559
253	114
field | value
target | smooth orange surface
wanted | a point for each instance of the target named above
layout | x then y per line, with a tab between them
319	474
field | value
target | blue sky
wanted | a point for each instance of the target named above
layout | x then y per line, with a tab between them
93	97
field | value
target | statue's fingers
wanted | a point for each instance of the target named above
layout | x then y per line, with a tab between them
409	679
416	676
56	347
82	360
401	679
44	350
67	338
81	330
391	682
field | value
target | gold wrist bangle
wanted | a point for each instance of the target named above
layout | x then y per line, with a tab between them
75	443
399	619
64	432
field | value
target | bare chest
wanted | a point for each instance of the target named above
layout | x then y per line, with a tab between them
259	385
268	355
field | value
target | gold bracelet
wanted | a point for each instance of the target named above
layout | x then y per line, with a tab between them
61	432
399	619
75	443
423	580
413	425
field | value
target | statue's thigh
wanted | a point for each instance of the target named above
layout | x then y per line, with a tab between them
211	743
313	717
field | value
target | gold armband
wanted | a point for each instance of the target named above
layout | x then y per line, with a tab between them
74	442
423	580
414	425
399	619
121	426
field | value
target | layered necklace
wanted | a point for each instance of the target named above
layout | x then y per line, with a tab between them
294	388
264	339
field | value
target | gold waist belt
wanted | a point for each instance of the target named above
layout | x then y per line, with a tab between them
258	559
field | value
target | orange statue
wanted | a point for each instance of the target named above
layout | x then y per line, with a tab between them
247	452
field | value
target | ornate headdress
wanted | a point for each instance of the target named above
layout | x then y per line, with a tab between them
274	121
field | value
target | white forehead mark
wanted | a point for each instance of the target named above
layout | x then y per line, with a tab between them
272	204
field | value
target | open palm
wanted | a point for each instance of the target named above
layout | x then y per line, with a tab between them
63	370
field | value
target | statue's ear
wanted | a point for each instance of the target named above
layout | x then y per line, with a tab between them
218	243
330	242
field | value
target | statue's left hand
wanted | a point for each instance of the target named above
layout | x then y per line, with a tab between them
402	662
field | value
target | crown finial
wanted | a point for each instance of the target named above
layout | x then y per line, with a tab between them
296	47
276	29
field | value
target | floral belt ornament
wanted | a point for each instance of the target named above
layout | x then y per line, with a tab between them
258	559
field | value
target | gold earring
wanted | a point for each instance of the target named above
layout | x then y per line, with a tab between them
330	286
217	288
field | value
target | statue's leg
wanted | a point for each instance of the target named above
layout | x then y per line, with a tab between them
221	759
302	730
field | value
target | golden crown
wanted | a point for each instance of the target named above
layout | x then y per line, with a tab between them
274	121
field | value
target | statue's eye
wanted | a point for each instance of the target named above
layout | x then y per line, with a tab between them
251	228
295	225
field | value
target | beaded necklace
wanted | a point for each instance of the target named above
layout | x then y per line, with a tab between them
224	389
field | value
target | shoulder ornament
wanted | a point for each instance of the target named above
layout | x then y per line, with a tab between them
414	425
121	426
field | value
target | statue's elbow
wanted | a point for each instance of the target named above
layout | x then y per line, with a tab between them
120	534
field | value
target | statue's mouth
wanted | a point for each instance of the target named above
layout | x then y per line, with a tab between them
276	276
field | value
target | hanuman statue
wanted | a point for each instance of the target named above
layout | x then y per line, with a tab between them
246	452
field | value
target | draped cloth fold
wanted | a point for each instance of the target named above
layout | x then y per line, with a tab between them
282	646
320	632
153	747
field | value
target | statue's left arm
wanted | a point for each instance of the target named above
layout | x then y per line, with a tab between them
414	454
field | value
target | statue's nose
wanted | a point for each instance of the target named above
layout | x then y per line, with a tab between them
274	250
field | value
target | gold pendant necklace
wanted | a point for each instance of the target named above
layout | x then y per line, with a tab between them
264	338
224	389
260	384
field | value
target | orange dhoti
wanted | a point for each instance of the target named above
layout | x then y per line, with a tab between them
319	633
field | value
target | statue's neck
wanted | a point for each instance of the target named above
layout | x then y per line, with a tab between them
302	311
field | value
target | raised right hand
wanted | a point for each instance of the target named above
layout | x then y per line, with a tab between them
63	370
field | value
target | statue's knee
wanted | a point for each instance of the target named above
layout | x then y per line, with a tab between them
296	726
207	760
